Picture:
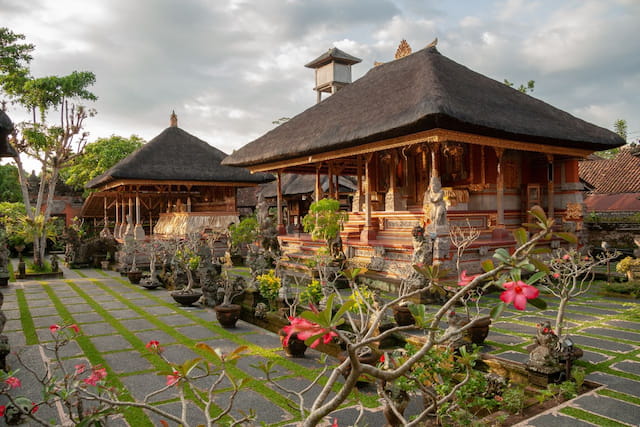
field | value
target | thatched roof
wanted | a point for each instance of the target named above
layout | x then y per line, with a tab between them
297	184
176	155
422	91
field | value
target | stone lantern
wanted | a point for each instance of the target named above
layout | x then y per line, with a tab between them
333	71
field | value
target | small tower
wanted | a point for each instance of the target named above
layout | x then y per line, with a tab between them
333	71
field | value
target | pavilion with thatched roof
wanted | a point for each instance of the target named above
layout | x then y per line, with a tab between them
174	185
432	142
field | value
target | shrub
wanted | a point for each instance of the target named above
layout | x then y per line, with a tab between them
628	264
312	293
269	286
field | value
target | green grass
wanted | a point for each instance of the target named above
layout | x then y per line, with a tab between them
592	418
620	396
28	327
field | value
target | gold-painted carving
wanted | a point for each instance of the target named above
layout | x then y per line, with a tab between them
574	211
403	49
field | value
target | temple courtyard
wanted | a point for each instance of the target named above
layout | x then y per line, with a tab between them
118	319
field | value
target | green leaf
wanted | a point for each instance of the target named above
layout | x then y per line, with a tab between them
538	213
539	265
502	255
540	250
533	279
520	235
487	265
497	310
568	237
538	303
343	309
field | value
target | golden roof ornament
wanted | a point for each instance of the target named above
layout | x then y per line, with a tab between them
433	43
173	120
403	49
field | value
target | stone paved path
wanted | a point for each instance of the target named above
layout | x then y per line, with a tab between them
118	319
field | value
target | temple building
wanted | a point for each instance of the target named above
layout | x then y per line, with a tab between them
433	143
173	185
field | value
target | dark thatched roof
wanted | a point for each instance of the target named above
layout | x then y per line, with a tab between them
176	155
297	184
333	54
422	91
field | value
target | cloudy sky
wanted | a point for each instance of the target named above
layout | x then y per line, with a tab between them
229	68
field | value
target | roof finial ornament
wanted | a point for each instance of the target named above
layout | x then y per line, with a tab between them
173	120
403	49
433	43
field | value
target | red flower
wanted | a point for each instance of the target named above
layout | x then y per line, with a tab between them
35	408
335	423
306	329
172	379
153	345
100	373
382	359
518	293
79	368
556	275
464	279
2	409
13	382
75	328
91	380
54	328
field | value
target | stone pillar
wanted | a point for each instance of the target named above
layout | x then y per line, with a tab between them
105	230
394	199
116	227
357	197
138	231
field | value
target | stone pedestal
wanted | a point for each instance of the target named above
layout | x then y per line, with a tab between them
394	200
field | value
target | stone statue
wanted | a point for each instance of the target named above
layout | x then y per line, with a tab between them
455	322
437	208
545	355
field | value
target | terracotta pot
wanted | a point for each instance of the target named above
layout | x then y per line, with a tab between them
186	298
134	277
228	315
295	348
403	315
479	332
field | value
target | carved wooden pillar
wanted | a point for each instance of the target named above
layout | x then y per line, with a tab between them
138	231
499	189
105	230
116	226
435	160
330	179
368	232
123	227
550	184
281	228
318	185
357	198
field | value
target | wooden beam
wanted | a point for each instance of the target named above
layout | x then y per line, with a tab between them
430	136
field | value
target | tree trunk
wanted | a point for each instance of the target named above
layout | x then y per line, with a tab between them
560	315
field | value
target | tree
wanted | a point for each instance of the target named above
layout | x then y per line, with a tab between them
49	99
98	157
619	127
10	184
522	88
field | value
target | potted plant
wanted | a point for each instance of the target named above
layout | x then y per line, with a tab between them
228	313
240	235
134	274
324	222
401	312
189	261
105	263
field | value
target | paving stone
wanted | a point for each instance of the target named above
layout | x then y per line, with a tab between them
591	310
124	313
11	314
266	411
110	343
516	327
113	305
127	361
175	320
12	325
514	356
614	333
555	420
194	414
140	385
88	317
137	324
178	353
625	324
196	332
628	366
602	344
160	310
79	308
266	339
576	317
616	383
71	349
45	302
609	407
41	311
155	335
100	328
501	338
593	357
144	302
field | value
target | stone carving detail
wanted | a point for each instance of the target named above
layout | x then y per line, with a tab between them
377	260
545	355
435	207
574	211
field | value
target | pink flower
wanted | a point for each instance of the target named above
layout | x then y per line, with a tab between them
100	373
13	382
75	328
79	368
91	380
172	379
306	329
518	293
335	423
35	408
2	409
464	279
54	328
153	345
566	257
556	275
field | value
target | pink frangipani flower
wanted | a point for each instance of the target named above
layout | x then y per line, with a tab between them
464	279
172	379
54	328
13	382
306	329
80	368
518	293
75	328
